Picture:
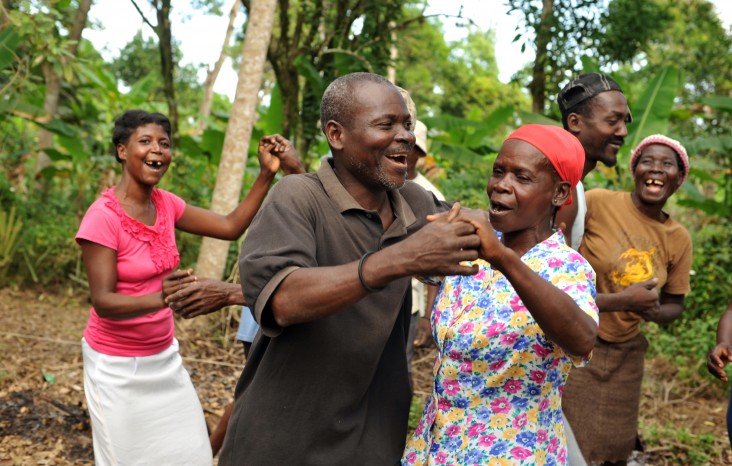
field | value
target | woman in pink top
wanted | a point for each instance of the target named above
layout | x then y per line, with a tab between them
143	406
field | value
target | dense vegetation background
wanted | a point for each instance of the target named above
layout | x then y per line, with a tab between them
59	97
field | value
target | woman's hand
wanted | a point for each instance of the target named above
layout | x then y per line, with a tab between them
176	281
277	152
718	358
286	152
642	298
204	296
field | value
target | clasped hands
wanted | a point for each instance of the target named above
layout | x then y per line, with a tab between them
275	152
190	296
481	239
452	238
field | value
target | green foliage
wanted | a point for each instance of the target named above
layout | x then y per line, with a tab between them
687	340
138	66
415	411
695	42
466	149
711	282
628	26
139	58
651	111
10	228
558	35
458	78
712	190
9	41
684	344
687	447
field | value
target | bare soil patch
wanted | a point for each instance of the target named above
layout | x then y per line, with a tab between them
43	416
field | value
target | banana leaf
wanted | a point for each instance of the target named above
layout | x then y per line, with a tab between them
470	134
272	120
536	118
9	40
719	102
652	111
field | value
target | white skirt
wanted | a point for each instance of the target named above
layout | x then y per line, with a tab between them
144	410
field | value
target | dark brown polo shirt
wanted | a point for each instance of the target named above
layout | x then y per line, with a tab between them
333	391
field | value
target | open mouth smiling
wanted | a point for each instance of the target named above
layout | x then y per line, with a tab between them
654	186
156	164
498	208
398	158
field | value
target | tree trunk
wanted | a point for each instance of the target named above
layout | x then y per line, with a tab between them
543	36
393	55
53	85
50	107
165	41
211	75
212	258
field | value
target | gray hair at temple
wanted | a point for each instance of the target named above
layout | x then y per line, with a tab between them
337	102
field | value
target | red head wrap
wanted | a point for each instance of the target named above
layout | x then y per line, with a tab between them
561	147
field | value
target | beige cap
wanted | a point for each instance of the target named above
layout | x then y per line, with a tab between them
410	103
420	132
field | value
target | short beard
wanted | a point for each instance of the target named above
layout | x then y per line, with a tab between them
389	184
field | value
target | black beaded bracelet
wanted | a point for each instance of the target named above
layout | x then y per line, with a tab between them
360	274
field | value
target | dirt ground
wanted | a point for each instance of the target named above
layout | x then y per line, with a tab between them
43	417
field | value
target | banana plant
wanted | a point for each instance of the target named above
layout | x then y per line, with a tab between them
651	112
465	139
712	169
10	227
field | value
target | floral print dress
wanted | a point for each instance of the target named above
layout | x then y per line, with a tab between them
498	379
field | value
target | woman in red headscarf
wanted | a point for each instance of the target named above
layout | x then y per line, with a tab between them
508	336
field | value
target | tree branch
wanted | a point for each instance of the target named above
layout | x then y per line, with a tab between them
351	53
144	18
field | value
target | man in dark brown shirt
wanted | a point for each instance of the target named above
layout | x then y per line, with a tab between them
326	269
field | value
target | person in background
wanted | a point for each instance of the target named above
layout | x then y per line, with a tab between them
141	401
423	295
508	335
246	333
326	269
595	110
642	258
721	355
248	328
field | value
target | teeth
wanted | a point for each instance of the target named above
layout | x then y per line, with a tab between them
154	164
656	182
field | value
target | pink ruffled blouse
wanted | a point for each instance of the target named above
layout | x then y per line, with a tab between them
145	254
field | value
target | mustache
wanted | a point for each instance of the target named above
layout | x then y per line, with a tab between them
616	140
402	149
